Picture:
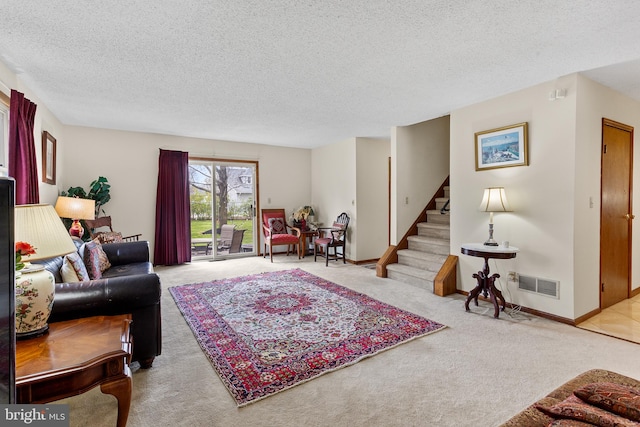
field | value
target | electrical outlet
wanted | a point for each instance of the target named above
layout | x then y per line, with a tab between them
512	276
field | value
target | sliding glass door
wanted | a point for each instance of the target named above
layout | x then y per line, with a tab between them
223	214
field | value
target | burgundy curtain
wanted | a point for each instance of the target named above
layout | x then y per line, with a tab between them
23	165
173	224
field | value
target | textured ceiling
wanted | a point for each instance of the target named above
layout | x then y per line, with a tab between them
304	73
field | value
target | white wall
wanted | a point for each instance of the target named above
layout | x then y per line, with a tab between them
594	103
420	164
333	186
372	183
541	194
350	176
129	160
552	223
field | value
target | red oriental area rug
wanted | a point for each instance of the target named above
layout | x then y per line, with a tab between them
268	332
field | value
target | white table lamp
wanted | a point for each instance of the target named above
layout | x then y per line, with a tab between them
493	200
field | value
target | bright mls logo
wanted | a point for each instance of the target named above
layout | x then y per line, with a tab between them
35	415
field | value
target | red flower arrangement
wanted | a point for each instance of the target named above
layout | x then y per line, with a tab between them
23	249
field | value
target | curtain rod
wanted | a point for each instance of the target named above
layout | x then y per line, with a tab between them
213	156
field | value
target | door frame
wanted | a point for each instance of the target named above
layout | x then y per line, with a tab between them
621	126
256	204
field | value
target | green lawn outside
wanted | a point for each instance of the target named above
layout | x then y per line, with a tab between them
198	227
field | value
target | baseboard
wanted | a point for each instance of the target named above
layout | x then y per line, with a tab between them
538	313
366	261
588	315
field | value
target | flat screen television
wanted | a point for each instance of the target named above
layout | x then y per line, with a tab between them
7	292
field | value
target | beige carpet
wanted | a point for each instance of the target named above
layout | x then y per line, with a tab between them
477	372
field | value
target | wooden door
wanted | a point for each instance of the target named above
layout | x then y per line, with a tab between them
615	214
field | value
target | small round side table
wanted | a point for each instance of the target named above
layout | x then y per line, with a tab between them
486	283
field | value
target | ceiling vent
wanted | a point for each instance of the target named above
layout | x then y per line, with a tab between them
538	285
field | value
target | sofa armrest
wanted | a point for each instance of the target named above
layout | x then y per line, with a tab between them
138	295
117	295
127	252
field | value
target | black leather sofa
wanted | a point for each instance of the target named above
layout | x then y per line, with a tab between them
129	286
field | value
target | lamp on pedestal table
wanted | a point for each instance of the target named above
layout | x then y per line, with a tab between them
494	200
41	227
76	209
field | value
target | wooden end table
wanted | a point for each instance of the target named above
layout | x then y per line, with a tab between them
75	356
486	283
304	235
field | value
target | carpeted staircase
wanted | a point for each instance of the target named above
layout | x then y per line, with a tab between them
419	264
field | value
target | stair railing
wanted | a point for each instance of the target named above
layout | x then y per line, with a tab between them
445	208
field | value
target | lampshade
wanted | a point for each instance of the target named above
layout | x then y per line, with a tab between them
494	200
76	208
42	228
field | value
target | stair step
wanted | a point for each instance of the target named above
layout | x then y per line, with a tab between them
441	202
434	216
422	279
428	250
429	244
433	229
423	260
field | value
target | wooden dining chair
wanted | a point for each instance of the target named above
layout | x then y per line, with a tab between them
333	237
105	222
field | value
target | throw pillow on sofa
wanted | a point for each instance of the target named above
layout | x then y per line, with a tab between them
617	398
109	237
73	269
574	408
95	259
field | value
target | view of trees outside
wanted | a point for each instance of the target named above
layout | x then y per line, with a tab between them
233	195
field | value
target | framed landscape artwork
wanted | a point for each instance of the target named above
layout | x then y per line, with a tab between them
48	158
502	147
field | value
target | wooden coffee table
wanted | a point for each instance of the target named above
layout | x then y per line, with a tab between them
74	357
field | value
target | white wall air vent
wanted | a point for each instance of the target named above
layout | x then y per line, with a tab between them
540	286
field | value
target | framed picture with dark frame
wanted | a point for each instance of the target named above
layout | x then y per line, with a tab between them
48	158
502	147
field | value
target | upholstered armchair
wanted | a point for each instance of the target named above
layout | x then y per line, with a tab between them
278	233
333	237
